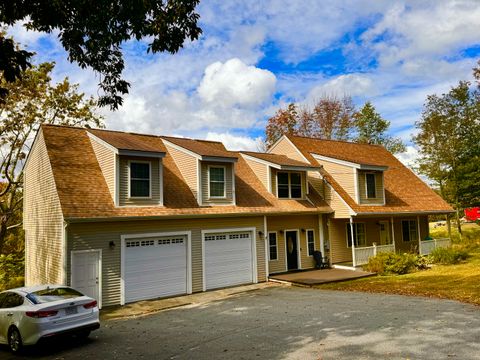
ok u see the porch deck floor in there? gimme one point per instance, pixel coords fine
(315, 277)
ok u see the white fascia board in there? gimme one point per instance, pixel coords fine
(218, 159)
(349, 163)
(141, 153)
(261, 161)
(182, 149)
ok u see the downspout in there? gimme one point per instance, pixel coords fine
(65, 255)
(265, 235)
(353, 241)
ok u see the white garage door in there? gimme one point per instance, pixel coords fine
(228, 259)
(155, 267)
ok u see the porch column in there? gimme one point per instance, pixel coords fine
(419, 236)
(393, 233)
(353, 242)
(267, 246)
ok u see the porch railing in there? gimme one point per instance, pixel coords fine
(427, 246)
(363, 253)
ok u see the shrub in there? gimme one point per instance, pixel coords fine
(448, 255)
(11, 271)
(392, 263)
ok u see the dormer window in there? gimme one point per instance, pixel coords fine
(140, 179)
(289, 185)
(371, 186)
(216, 182)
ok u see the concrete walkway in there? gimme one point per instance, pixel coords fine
(315, 277)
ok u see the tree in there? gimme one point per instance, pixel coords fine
(449, 144)
(330, 118)
(31, 101)
(371, 129)
(93, 31)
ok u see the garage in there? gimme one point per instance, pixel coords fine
(228, 259)
(155, 267)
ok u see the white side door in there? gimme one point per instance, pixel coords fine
(86, 273)
(384, 233)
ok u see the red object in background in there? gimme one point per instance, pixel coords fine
(472, 214)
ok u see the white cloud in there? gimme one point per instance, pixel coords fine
(409, 157)
(350, 85)
(235, 142)
(234, 83)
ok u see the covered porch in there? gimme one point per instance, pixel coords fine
(356, 239)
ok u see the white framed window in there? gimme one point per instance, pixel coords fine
(272, 246)
(289, 185)
(310, 242)
(216, 182)
(370, 185)
(140, 179)
(409, 230)
(359, 235)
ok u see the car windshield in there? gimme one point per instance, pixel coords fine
(55, 294)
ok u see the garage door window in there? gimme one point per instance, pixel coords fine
(140, 179)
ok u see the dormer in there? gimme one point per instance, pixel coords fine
(131, 165)
(363, 182)
(207, 168)
(283, 177)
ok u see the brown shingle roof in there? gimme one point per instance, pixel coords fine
(202, 147)
(404, 191)
(281, 160)
(130, 141)
(84, 194)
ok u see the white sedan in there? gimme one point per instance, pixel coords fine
(29, 314)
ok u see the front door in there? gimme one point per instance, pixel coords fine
(384, 233)
(292, 250)
(86, 273)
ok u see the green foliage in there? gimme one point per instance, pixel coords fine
(448, 255)
(32, 101)
(371, 129)
(449, 144)
(92, 32)
(392, 263)
(12, 268)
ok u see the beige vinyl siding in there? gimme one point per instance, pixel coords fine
(260, 170)
(344, 175)
(362, 187)
(278, 223)
(339, 251)
(228, 200)
(187, 165)
(87, 236)
(401, 245)
(42, 220)
(341, 210)
(285, 147)
(106, 160)
(316, 180)
(125, 199)
(274, 180)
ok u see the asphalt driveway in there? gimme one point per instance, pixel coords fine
(286, 323)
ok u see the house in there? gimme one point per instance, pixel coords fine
(126, 217)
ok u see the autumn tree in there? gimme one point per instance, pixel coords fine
(449, 144)
(371, 128)
(330, 118)
(31, 101)
(93, 32)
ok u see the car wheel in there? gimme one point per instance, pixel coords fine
(14, 340)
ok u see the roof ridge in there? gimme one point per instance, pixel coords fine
(332, 140)
(187, 138)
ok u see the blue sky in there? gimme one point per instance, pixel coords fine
(257, 56)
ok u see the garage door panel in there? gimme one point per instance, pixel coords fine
(155, 268)
(228, 259)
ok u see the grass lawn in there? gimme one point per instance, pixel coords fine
(457, 282)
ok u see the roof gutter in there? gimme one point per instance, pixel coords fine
(405, 212)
